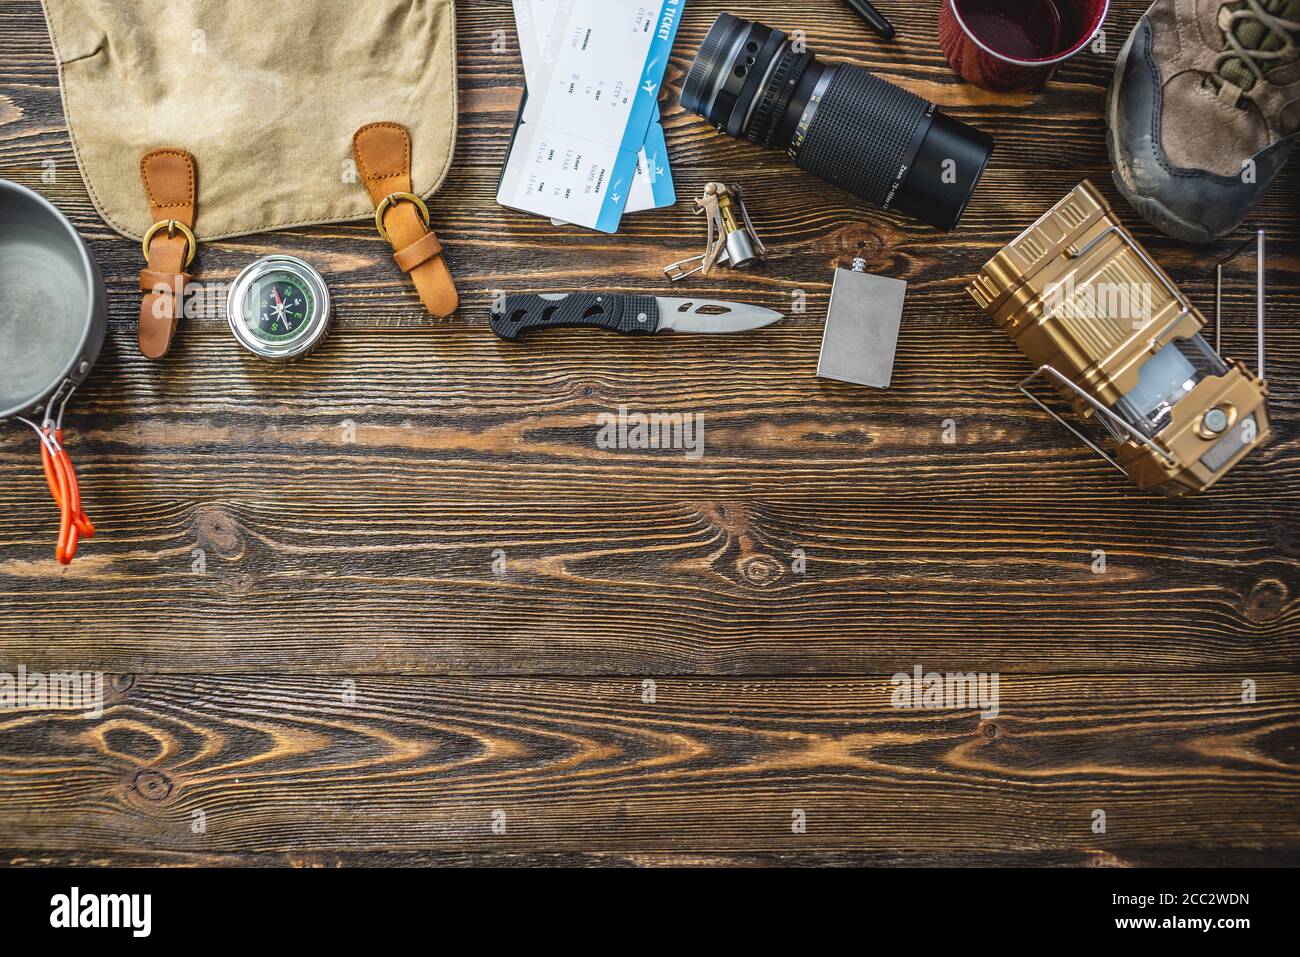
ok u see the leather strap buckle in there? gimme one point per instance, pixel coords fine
(392, 199)
(171, 225)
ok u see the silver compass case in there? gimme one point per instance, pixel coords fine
(302, 341)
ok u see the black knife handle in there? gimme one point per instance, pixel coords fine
(626, 314)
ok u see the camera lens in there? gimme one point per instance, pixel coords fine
(837, 121)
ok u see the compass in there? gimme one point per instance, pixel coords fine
(279, 308)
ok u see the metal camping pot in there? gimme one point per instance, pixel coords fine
(53, 315)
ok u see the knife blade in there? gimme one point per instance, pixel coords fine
(628, 314)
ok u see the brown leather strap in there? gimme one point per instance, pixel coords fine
(383, 155)
(418, 253)
(169, 181)
(150, 280)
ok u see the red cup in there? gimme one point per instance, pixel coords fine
(1016, 45)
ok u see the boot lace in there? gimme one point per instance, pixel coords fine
(1257, 61)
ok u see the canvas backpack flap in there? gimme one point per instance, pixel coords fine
(266, 97)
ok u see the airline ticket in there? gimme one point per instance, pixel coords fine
(586, 126)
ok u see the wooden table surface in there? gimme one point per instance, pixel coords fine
(393, 604)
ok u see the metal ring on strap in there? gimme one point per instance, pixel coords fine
(171, 225)
(392, 199)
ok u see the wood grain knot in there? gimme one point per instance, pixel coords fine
(152, 785)
(123, 683)
(730, 518)
(761, 569)
(1266, 600)
(242, 584)
(989, 729)
(135, 744)
(217, 530)
(857, 239)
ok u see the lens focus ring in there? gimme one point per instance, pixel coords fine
(861, 133)
(754, 70)
(776, 97)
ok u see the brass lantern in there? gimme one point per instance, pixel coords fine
(1107, 327)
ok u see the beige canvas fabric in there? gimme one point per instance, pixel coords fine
(266, 96)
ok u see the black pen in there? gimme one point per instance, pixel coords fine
(874, 18)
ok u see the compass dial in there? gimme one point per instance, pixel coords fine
(279, 305)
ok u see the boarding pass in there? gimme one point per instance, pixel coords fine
(652, 185)
(589, 110)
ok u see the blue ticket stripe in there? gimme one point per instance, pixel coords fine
(652, 77)
(620, 184)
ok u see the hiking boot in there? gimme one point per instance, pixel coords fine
(1204, 111)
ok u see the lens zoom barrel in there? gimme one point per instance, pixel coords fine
(892, 148)
(862, 134)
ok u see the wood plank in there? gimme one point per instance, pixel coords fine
(1149, 855)
(405, 585)
(283, 766)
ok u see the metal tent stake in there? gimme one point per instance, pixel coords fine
(1261, 296)
(1259, 299)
